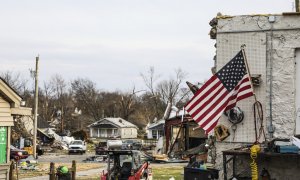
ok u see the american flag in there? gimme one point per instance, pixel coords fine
(220, 93)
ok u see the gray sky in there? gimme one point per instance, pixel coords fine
(112, 41)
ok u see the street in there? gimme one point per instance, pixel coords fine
(63, 158)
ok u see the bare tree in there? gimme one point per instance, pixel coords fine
(63, 104)
(127, 103)
(150, 82)
(169, 91)
(87, 98)
(47, 104)
(16, 81)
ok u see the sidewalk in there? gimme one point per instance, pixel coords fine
(79, 174)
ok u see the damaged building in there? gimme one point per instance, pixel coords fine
(182, 134)
(272, 48)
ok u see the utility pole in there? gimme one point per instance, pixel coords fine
(62, 120)
(35, 106)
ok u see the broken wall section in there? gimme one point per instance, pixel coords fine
(271, 41)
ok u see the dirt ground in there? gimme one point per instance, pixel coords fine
(43, 168)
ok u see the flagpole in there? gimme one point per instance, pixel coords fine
(248, 69)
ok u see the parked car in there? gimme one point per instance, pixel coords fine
(131, 144)
(16, 153)
(77, 146)
(101, 148)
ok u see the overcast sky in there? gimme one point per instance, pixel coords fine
(112, 41)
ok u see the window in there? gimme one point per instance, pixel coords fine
(154, 134)
(103, 132)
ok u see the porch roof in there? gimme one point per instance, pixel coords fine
(108, 126)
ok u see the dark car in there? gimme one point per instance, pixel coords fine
(131, 144)
(16, 153)
(101, 148)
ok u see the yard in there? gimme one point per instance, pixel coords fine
(166, 172)
(43, 169)
(93, 170)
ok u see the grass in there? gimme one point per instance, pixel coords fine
(167, 172)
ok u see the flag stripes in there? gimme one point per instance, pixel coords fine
(220, 93)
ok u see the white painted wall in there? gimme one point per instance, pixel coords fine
(263, 47)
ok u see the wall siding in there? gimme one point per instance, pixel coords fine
(5, 115)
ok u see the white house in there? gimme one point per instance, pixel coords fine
(113, 127)
(156, 130)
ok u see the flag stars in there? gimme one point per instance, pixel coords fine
(232, 72)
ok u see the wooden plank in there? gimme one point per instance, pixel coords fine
(21, 111)
(6, 121)
(4, 114)
(4, 104)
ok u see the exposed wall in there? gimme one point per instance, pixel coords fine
(268, 45)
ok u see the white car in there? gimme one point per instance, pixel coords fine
(77, 146)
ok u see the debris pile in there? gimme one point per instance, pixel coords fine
(56, 141)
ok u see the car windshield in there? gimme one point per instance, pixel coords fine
(129, 141)
(76, 142)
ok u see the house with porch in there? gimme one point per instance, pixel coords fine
(155, 130)
(113, 127)
(10, 107)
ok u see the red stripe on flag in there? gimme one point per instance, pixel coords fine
(211, 127)
(206, 103)
(213, 107)
(205, 95)
(211, 80)
(216, 112)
